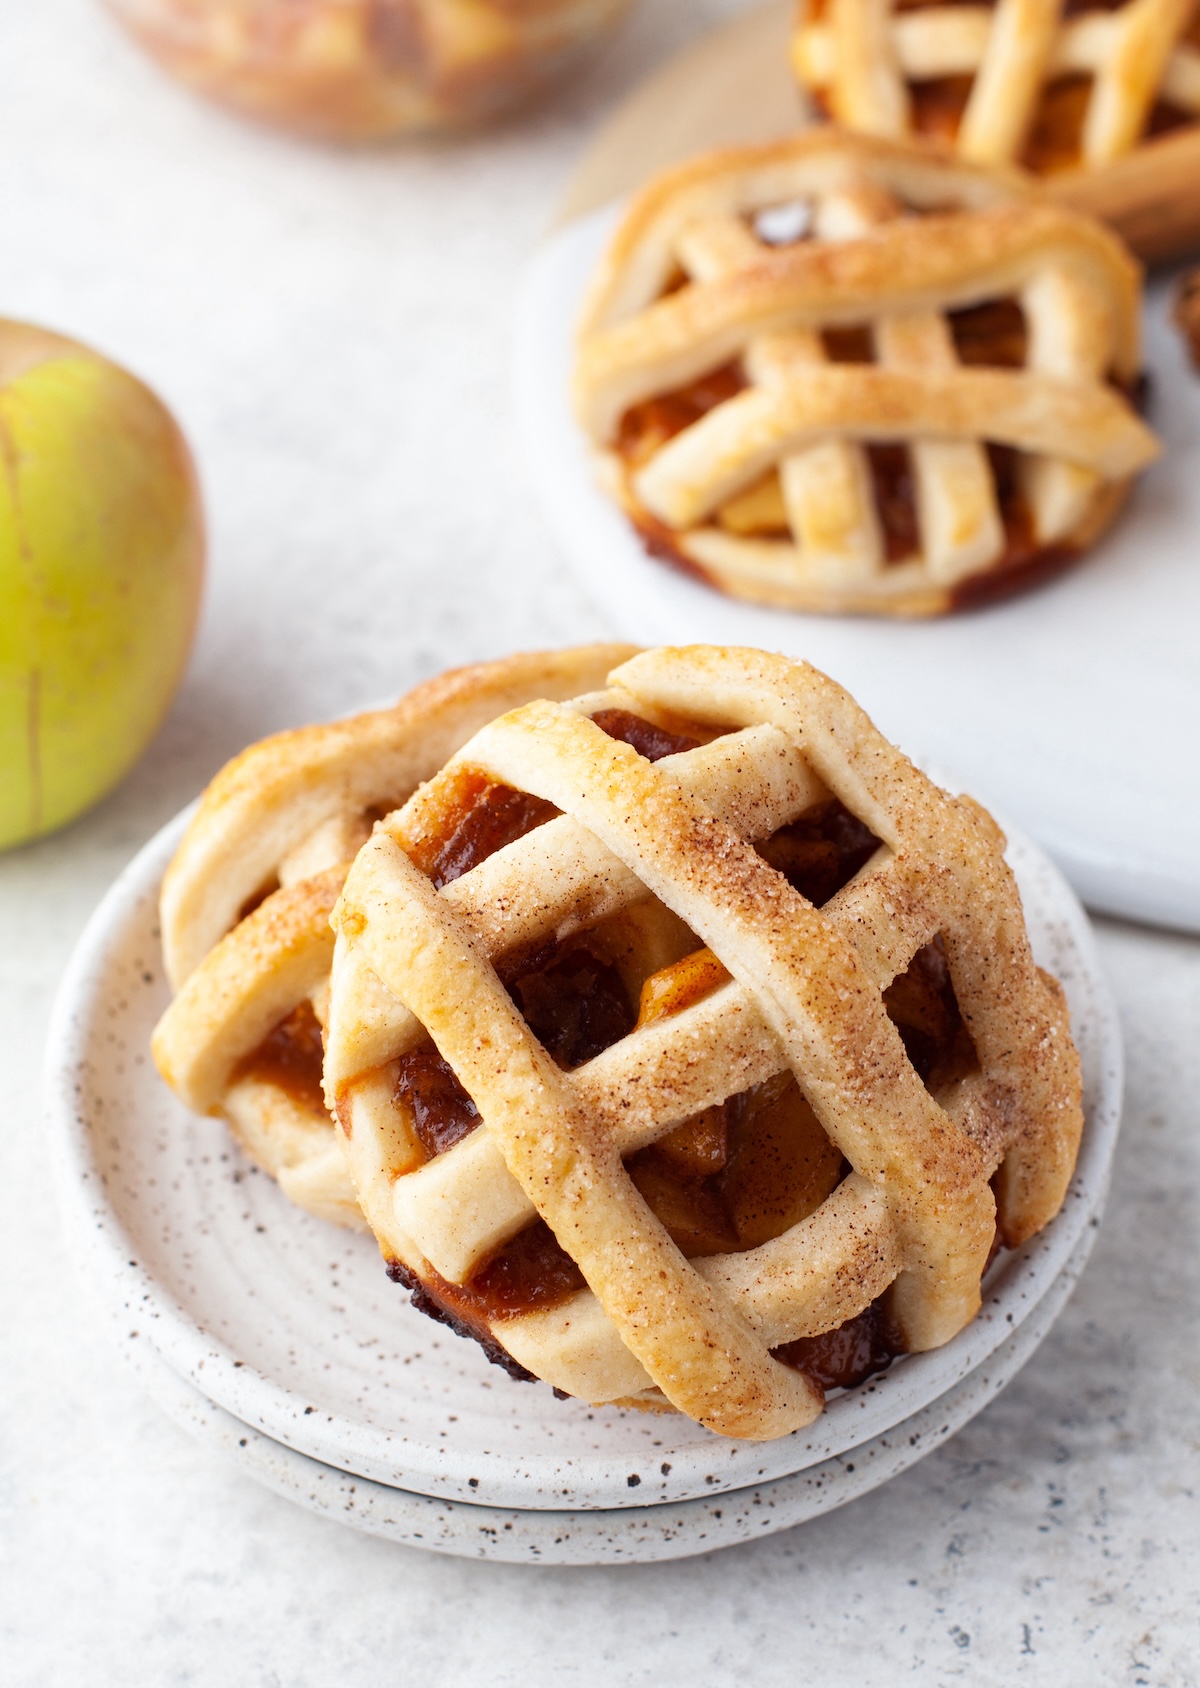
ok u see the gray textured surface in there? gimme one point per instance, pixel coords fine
(332, 333)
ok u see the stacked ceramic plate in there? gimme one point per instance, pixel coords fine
(281, 1339)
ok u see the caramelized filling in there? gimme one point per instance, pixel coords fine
(480, 817)
(441, 1111)
(573, 1000)
(1055, 137)
(855, 1351)
(291, 1058)
(741, 1173)
(895, 500)
(733, 1177)
(822, 851)
(855, 344)
(531, 1271)
(817, 854)
(991, 336)
(1025, 561)
(648, 426)
(937, 106)
(1166, 118)
(575, 1005)
(922, 1006)
(675, 988)
(648, 740)
(1057, 129)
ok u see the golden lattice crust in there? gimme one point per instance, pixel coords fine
(747, 441)
(1007, 82)
(274, 834)
(930, 1175)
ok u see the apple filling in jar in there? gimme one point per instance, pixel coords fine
(363, 69)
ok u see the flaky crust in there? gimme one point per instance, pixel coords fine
(917, 1210)
(804, 421)
(292, 811)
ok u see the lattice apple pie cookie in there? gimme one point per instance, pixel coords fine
(1049, 85)
(719, 1064)
(247, 899)
(836, 374)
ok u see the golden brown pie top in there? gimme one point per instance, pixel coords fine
(734, 1176)
(687, 1047)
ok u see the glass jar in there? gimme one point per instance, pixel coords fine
(363, 69)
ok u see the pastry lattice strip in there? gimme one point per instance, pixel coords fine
(292, 811)
(916, 1210)
(827, 488)
(865, 53)
(810, 419)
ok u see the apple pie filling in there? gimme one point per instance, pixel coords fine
(356, 69)
(290, 1058)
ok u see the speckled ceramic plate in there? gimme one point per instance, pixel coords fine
(608, 1537)
(1075, 708)
(293, 1327)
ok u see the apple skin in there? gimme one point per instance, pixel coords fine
(101, 567)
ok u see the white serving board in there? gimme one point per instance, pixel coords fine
(292, 1326)
(1075, 708)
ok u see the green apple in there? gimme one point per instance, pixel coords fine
(101, 563)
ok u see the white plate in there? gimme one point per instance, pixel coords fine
(293, 1327)
(619, 1536)
(1075, 709)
